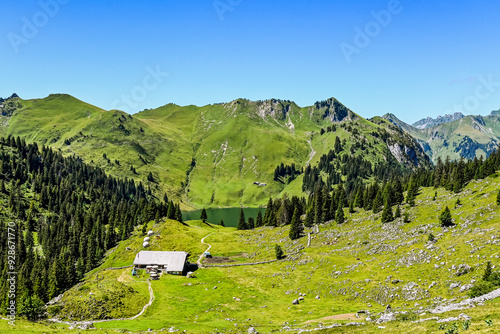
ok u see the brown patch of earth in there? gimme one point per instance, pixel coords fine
(217, 259)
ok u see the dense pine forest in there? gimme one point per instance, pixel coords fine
(59, 217)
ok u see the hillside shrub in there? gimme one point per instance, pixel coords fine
(279, 252)
(490, 282)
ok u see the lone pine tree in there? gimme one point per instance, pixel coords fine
(445, 218)
(203, 215)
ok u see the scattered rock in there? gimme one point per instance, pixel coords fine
(454, 285)
(386, 317)
(463, 269)
(464, 316)
(447, 320)
(466, 287)
(252, 330)
(318, 297)
(86, 325)
(354, 324)
(295, 302)
(301, 299)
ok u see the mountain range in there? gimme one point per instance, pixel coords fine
(212, 155)
(455, 136)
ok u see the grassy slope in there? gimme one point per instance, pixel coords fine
(234, 144)
(347, 275)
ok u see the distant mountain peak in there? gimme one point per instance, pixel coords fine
(429, 122)
(399, 123)
(495, 113)
(10, 97)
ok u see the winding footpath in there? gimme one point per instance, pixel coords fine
(312, 154)
(201, 256)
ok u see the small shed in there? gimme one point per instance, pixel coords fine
(207, 255)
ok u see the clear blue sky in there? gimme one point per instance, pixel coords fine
(425, 60)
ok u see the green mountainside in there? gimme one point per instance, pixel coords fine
(415, 266)
(211, 155)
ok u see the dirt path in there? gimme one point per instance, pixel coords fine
(151, 299)
(209, 247)
(313, 152)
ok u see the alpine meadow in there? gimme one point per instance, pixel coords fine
(249, 167)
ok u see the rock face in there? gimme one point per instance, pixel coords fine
(386, 317)
(429, 122)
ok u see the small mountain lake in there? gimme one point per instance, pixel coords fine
(230, 216)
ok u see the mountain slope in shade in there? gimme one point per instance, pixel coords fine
(429, 122)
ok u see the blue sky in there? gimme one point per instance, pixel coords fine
(418, 58)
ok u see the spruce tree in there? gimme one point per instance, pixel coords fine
(309, 219)
(178, 213)
(377, 202)
(498, 197)
(278, 251)
(203, 215)
(339, 215)
(487, 271)
(387, 213)
(296, 227)
(258, 221)
(171, 210)
(397, 214)
(445, 218)
(242, 225)
(250, 223)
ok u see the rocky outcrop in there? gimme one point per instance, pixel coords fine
(332, 110)
(429, 122)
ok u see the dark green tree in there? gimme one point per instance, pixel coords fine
(339, 215)
(387, 213)
(278, 251)
(242, 225)
(445, 218)
(498, 197)
(487, 271)
(178, 213)
(397, 214)
(309, 219)
(250, 223)
(296, 227)
(258, 221)
(377, 202)
(203, 215)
